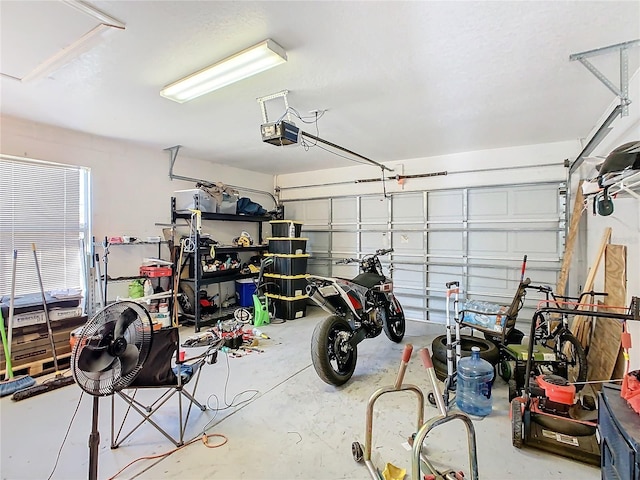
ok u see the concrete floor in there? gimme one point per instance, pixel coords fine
(294, 426)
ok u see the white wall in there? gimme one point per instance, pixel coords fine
(625, 220)
(130, 183)
(533, 163)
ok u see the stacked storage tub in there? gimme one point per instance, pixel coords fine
(286, 284)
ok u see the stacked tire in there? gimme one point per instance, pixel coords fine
(488, 351)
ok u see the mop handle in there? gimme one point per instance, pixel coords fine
(46, 311)
(406, 356)
(12, 304)
(425, 355)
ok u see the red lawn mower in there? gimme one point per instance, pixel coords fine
(549, 416)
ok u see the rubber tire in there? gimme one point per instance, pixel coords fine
(513, 389)
(395, 333)
(506, 369)
(516, 423)
(581, 358)
(189, 300)
(357, 451)
(320, 348)
(440, 368)
(488, 350)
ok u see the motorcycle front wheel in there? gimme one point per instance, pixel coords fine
(333, 357)
(394, 324)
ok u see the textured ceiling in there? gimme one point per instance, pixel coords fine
(399, 79)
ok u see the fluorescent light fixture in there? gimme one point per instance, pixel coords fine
(237, 67)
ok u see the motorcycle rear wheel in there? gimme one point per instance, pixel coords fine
(394, 324)
(334, 359)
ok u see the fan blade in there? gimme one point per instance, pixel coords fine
(129, 359)
(94, 359)
(126, 318)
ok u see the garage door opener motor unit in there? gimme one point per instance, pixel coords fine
(279, 133)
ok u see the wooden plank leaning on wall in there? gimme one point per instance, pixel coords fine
(604, 349)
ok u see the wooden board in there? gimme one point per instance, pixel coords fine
(580, 327)
(605, 341)
(574, 222)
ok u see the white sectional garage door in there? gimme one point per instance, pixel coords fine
(477, 236)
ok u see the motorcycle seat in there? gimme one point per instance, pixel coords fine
(369, 280)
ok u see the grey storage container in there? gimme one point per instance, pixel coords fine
(194, 199)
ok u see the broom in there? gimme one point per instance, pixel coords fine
(59, 379)
(11, 384)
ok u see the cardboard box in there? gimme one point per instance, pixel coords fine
(37, 317)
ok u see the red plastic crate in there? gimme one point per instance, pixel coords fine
(154, 272)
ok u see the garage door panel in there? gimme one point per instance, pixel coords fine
(408, 242)
(409, 279)
(485, 203)
(440, 242)
(344, 210)
(488, 243)
(534, 201)
(372, 241)
(345, 271)
(413, 313)
(374, 210)
(408, 208)
(489, 279)
(345, 242)
(318, 242)
(319, 267)
(312, 212)
(409, 301)
(535, 242)
(445, 206)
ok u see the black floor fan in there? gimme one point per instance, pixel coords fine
(107, 356)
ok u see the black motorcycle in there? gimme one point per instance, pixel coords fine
(359, 308)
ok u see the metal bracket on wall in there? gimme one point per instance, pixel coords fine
(263, 108)
(623, 91)
(173, 155)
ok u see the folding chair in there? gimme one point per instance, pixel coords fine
(158, 373)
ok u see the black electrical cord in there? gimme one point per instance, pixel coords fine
(65, 436)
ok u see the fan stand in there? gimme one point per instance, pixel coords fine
(94, 442)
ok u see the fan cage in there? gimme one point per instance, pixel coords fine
(138, 333)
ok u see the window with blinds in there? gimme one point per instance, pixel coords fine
(47, 205)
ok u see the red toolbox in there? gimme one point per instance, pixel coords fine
(154, 272)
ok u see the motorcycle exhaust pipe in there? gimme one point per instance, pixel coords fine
(319, 300)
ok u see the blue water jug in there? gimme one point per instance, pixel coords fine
(473, 391)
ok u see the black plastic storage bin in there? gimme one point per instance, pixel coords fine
(285, 228)
(289, 308)
(285, 264)
(288, 245)
(286, 285)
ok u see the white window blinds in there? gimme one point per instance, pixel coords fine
(43, 204)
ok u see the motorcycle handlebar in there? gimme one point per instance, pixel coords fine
(384, 251)
(346, 261)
